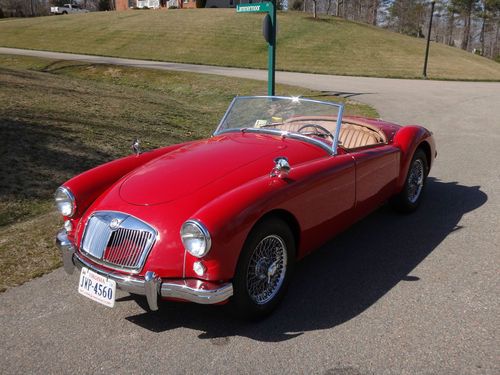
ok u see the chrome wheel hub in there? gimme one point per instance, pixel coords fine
(266, 269)
(415, 180)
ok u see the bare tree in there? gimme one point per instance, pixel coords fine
(374, 12)
(466, 9)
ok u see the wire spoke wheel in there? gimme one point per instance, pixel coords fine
(408, 199)
(415, 180)
(266, 269)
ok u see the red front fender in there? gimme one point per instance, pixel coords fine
(89, 185)
(408, 139)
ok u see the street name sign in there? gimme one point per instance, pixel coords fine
(253, 8)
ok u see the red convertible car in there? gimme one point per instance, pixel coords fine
(225, 218)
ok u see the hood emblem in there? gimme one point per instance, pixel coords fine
(115, 223)
(136, 147)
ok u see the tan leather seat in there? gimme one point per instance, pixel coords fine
(354, 136)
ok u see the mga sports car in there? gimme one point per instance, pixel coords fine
(224, 219)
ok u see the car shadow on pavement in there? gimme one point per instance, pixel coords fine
(343, 278)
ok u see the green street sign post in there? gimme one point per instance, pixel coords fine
(269, 31)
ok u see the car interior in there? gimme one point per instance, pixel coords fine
(353, 134)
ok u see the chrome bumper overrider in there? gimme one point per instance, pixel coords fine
(150, 285)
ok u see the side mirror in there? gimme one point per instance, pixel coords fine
(281, 167)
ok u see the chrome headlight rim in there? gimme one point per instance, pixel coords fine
(71, 198)
(203, 230)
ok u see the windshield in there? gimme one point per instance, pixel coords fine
(310, 120)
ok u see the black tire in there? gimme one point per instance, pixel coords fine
(410, 197)
(64, 12)
(256, 272)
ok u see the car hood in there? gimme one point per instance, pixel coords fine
(198, 164)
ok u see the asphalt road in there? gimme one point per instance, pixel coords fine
(415, 294)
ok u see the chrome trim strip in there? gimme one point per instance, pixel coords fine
(192, 290)
(335, 143)
(216, 132)
(184, 264)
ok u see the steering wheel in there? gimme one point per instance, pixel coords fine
(319, 131)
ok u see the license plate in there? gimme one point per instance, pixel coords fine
(97, 287)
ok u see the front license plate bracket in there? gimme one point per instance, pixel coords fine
(97, 287)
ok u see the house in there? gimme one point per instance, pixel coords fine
(228, 3)
(155, 4)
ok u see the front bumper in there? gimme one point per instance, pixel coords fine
(151, 286)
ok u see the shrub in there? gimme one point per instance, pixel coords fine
(104, 5)
(297, 5)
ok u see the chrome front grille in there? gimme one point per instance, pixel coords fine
(126, 246)
(118, 240)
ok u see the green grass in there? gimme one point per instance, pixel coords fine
(222, 37)
(60, 118)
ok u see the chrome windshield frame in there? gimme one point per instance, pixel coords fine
(332, 150)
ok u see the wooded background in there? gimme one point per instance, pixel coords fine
(473, 25)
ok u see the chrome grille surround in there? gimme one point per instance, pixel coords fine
(117, 240)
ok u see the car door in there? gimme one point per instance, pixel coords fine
(377, 170)
(323, 198)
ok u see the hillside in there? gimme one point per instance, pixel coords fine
(222, 37)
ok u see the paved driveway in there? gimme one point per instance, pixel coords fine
(394, 294)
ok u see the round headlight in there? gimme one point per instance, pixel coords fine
(65, 201)
(195, 238)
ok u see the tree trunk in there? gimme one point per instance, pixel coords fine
(314, 8)
(496, 49)
(328, 7)
(481, 35)
(466, 34)
(374, 12)
(451, 24)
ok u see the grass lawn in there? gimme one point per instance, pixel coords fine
(222, 37)
(59, 118)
